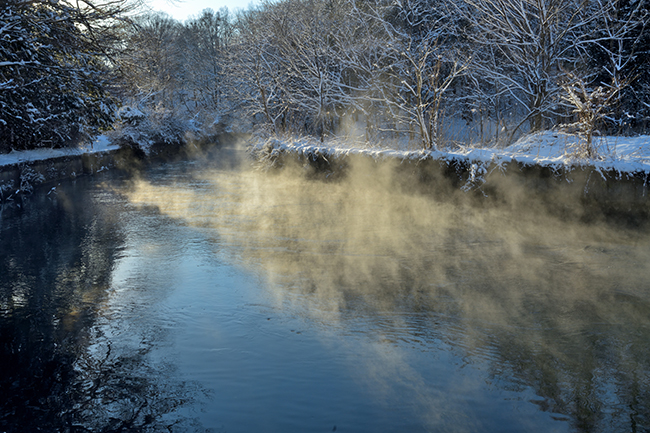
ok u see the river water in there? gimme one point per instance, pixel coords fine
(205, 295)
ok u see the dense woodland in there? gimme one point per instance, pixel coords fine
(427, 72)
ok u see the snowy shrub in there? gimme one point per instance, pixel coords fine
(167, 128)
(130, 116)
(28, 179)
(6, 190)
(267, 151)
(142, 128)
(591, 107)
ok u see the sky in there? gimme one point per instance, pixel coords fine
(183, 9)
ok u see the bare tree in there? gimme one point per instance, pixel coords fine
(425, 74)
(306, 33)
(291, 56)
(524, 46)
(152, 61)
(257, 71)
(206, 44)
(618, 55)
(418, 68)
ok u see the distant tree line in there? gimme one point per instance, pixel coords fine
(428, 71)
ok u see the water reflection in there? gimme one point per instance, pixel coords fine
(556, 307)
(58, 370)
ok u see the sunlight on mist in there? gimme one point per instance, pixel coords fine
(362, 234)
(361, 253)
(364, 239)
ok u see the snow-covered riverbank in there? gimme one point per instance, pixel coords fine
(619, 173)
(100, 144)
(556, 150)
(541, 173)
(548, 149)
(21, 172)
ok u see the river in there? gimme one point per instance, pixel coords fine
(205, 295)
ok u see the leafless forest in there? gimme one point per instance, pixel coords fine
(429, 72)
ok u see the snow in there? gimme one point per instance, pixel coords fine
(101, 144)
(128, 114)
(550, 149)
(621, 154)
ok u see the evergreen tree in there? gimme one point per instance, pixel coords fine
(53, 73)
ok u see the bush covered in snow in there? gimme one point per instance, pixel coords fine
(143, 128)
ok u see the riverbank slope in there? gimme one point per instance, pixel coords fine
(545, 168)
(22, 171)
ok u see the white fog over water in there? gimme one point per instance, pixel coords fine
(206, 295)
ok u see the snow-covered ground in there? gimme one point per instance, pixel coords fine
(100, 144)
(554, 149)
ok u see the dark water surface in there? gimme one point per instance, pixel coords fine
(205, 296)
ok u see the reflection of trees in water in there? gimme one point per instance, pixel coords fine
(555, 321)
(114, 393)
(56, 258)
(580, 341)
(560, 307)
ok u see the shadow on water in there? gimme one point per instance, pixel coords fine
(560, 307)
(58, 373)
